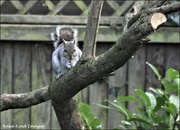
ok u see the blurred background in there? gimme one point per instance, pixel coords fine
(25, 55)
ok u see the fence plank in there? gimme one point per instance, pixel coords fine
(41, 77)
(172, 57)
(27, 7)
(58, 7)
(56, 19)
(83, 96)
(22, 80)
(119, 81)
(99, 91)
(162, 56)
(136, 76)
(6, 53)
(155, 56)
(106, 33)
(17, 4)
(97, 94)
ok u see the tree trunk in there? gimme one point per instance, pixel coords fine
(68, 115)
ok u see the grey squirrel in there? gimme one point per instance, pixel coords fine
(66, 53)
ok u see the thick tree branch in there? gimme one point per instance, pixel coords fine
(62, 90)
(142, 8)
(68, 115)
(66, 112)
(42, 94)
(81, 76)
(24, 100)
(166, 9)
(92, 28)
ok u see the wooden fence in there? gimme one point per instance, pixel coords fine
(25, 55)
(26, 66)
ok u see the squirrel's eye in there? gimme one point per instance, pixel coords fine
(74, 50)
(64, 50)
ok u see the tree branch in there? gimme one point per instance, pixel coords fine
(80, 76)
(61, 91)
(92, 28)
(24, 100)
(67, 114)
(8, 100)
(166, 8)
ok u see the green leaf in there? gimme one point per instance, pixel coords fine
(144, 97)
(128, 98)
(139, 120)
(126, 122)
(158, 118)
(176, 82)
(90, 118)
(152, 99)
(167, 109)
(109, 108)
(121, 107)
(122, 127)
(173, 108)
(142, 114)
(157, 91)
(168, 85)
(95, 123)
(172, 74)
(175, 100)
(84, 108)
(155, 70)
(160, 102)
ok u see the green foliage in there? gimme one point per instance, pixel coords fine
(160, 107)
(90, 120)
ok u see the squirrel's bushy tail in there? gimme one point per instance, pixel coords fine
(64, 32)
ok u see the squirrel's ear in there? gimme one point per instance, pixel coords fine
(73, 41)
(53, 36)
(64, 41)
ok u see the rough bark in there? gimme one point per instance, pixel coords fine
(66, 112)
(68, 115)
(24, 100)
(125, 47)
(12, 105)
(92, 28)
(62, 90)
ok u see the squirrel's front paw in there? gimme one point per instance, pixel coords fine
(59, 75)
(69, 66)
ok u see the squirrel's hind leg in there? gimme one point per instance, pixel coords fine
(59, 75)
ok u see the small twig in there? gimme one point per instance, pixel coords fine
(92, 28)
(175, 118)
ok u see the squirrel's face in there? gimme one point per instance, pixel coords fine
(69, 50)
